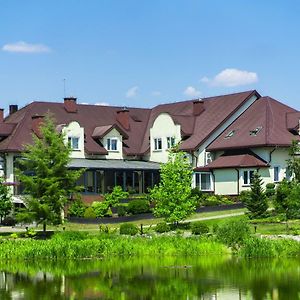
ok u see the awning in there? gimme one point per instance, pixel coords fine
(234, 161)
(113, 164)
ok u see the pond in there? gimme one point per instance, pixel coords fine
(152, 278)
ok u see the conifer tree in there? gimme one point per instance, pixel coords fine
(256, 200)
(49, 183)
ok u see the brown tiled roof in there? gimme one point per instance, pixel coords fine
(88, 116)
(292, 120)
(267, 117)
(6, 129)
(100, 131)
(234, 161)
(216, 111)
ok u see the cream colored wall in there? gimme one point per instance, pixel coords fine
(118, 154)
(9, 164)
(226, 182)
(73, 129)
(163, 127)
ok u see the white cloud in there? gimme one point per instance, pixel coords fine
(23, 47)
(231, 78)
(191, 92)
(156, 93)
(132, 92)
(102, 103)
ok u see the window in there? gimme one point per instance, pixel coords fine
(208, 158)
(204, 181)
(157, 144)
(73, 142)
(230, 134)
(247, 177)
(170, 142)
(256, 131)
(112, 144)
(276, 173)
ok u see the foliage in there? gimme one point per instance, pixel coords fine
(50, 183)
(287, 199)
(199, 228)
(89, 213)
(76, 209)
(294, 161)
(115, 196)
(172, 196)
(138, 207)
(256, 200)
(162, 227)
(128, 229)
(270, 190)
(121, 210)
(5, 200)
(101, 209)
(233, 233)
(215, 200)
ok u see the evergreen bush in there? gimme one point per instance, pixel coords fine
(89, 213)
(138, 207)
(199, 228)
(76, 209)
(162, 227)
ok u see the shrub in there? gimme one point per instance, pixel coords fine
(138, 207)
(9, 221)
(199, 228)
(69, 236)
(121, 210)
(162, 227)
(76, 209)
(128, 229)
(101, 209)
(270, 190)
(115, 196)
(233, 233)
(89, 213)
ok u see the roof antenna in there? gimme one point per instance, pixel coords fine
(64, 80)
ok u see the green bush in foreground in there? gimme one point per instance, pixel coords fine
(89, 213)
(138, 207)
(199, 228)
(128, 229)
(233, 233)
(162, 227)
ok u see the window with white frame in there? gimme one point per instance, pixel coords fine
(203, 181)
(112, 144)
(157, 144)
(208, 158)
(170, 142)
(73, 142)
(276, 173)
(247, 177)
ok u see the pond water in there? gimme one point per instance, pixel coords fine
(210, 278)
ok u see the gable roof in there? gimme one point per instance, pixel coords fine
(216, 110)
(262, 124)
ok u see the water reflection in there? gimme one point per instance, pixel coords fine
(149, 278)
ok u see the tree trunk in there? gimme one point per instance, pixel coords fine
(44, 227)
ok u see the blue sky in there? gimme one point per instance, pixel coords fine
(142, 53)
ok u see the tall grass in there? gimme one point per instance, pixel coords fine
(263, 247)
(71, 247)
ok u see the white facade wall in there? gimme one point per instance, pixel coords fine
(114, 154)
(226, 181)
(163, 127)
(73, 129)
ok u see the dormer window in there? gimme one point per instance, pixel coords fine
(73, 142)
(256, 131)
(230, 134)
(112, 144)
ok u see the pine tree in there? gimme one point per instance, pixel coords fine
(49, 183)
(256, 201)
(173, 199)
(294, 161)
(5, 200)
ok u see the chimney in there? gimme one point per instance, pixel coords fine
(36, 123)
(123, 118)
(13, 108)
(70, 104)
(198, 107)
(1, 115)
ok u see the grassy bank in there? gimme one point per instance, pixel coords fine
(72, 245)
